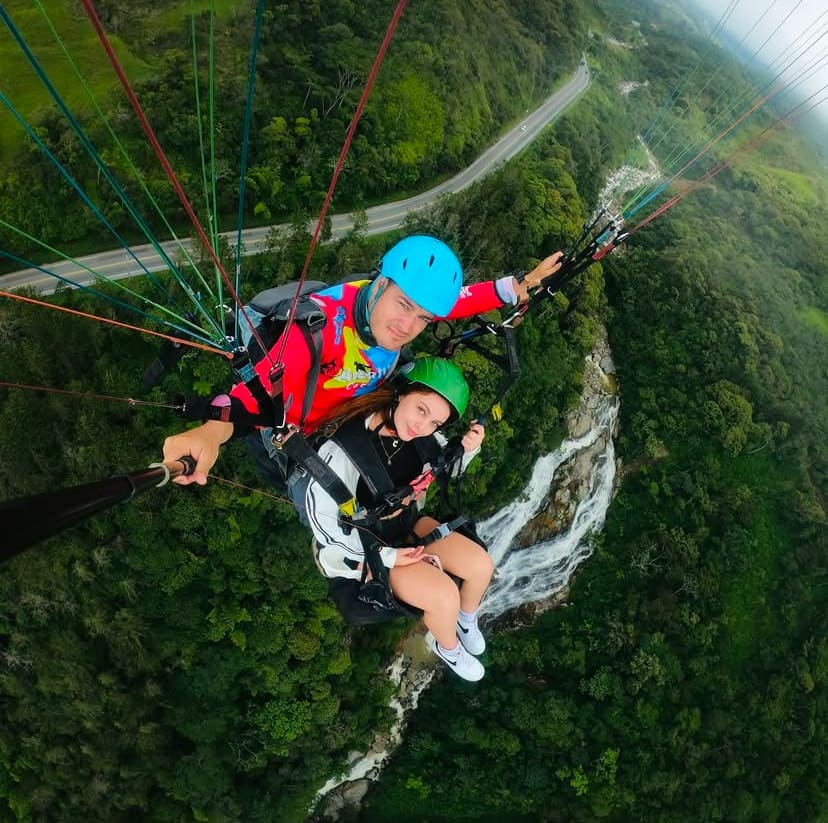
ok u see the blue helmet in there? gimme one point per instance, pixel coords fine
(427, 270)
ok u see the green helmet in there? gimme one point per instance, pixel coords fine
(443, 377)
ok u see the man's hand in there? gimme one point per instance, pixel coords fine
(546, 268)
(202, 444)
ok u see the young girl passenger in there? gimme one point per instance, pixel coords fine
(396, 428)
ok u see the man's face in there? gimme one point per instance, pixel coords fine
(396, 320)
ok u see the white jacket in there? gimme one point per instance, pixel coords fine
(339, 554)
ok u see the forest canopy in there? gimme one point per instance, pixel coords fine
(179, 660)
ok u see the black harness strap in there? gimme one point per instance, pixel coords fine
(298, 450)
(373, 470)
(375, 596)
(370, 464)
(444, 530)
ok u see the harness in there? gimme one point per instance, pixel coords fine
(268, 312)
(362, 450)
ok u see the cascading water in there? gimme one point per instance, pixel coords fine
(627, 178)
(525, 575)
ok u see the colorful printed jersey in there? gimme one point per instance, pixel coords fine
(349, 366)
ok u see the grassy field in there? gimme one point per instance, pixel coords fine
(20, 84)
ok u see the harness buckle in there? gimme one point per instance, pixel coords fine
(315, 321)
(281, 435)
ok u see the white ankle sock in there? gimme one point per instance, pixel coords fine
(467, 617)
(452, 653)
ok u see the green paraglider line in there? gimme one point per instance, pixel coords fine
(137, 175)
(213, 213)
(681, 152)
(248, 117)
(220, 300)
(115, 283)
(165, 163)
(184, 342)
(668, 105)
(90, 148)
(757, 104)
(74, 184)
(114, 300)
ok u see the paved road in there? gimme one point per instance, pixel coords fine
(118, 263)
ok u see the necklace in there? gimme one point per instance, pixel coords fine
(396, 445)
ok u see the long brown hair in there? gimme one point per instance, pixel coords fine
(380, 400)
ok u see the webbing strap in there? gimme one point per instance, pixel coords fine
(444, 530)
(298, 450)
(373, 560)
(363, 451)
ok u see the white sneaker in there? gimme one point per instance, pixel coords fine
(470, 636)
(461, 663)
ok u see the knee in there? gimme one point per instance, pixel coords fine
(445, 596)
(477, 563)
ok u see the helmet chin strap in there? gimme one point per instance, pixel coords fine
(376, 291)
(365, 306)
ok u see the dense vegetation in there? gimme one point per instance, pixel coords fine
(456, 74)
(178, 660)
(688, 679)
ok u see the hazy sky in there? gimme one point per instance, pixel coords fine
(807, 23)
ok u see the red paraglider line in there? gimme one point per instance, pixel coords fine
(749, 146)
(118, 323)
(142, 118)
(341, 162)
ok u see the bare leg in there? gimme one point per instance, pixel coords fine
(434, 592)
(464, 559)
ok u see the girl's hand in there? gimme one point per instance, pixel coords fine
(434, 560)
(473, 437)
(408, 557)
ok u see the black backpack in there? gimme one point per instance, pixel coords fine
(268, 311)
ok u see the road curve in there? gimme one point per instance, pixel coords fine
(117, 263)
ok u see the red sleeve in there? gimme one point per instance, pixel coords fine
(297, 365)
(477, 298)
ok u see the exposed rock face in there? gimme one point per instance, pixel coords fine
(411, 671)
(572, 478)
(627, 86)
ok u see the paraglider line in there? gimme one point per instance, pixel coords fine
(118, 323)
(93, 153)
(248, 117)
(339, 164)
(162, 157)
(136, 174)
(115, 398)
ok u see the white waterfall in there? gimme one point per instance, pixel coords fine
(525, 575)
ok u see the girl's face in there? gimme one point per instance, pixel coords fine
(420, 414)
